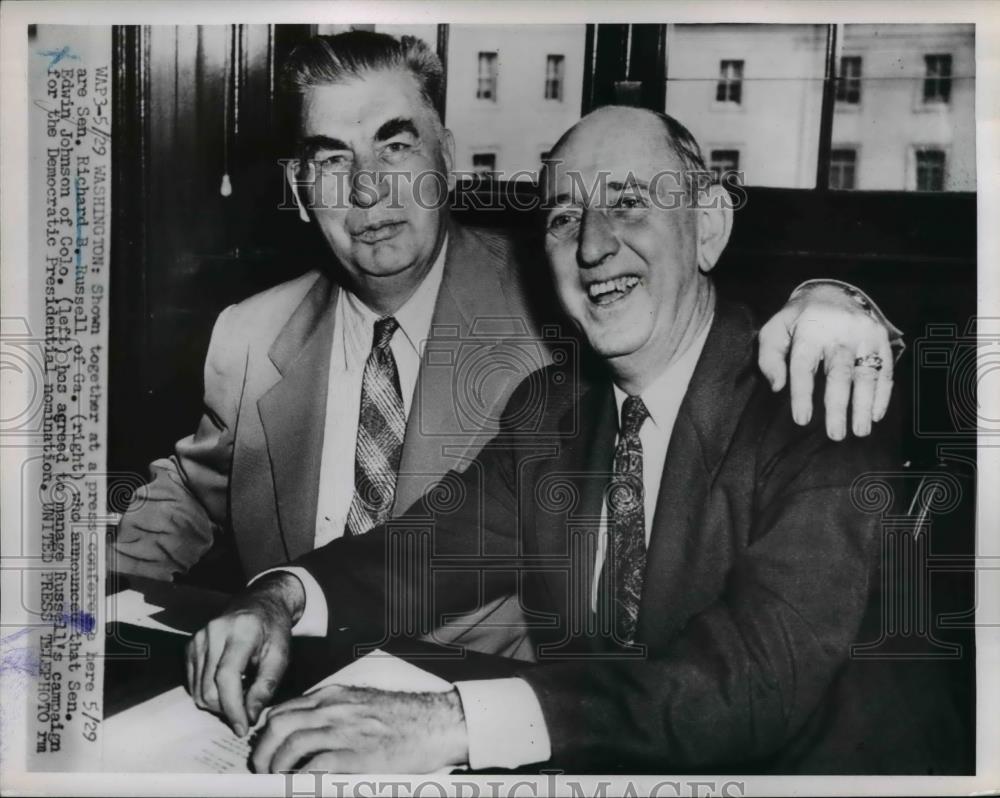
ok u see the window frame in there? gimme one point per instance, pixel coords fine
(922, 149)
(492, 69)
(481, 153)
(939, 98)
(726, 83)
(558, 80)
(846, 83)
(854, 149)
(726, 148)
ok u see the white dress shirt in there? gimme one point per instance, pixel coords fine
(353, 331)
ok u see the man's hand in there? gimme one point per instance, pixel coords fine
(362, 730)
(827, 322)
(250, 640)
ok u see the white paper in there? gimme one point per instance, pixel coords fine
(170, 734)
(130, 606)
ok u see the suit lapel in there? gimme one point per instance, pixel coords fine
(582, 471)
(436, 437)
(293, 414)
(707, 419)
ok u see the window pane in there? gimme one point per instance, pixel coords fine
(521, 120)
(849, 80)
(842, 163)
(930, 170)
(721, 162)
(753, 89)
(913, 128)
(486, 89)
(484, 163)
(553, 77)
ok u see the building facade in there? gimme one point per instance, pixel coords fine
(904, 115)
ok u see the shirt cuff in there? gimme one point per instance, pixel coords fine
(315, 613)
(504, 722)
(866, 303)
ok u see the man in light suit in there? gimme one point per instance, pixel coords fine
(700, 553)
(282, 458)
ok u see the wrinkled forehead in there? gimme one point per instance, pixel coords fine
(612, 156)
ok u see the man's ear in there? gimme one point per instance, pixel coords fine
(715, 223)
(292, 176)
(448, 156)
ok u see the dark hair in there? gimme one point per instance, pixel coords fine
(683, 143)
(323, 60)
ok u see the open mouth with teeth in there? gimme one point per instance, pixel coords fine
(608, 292)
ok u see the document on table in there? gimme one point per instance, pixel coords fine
(130, 606)
(169, 734)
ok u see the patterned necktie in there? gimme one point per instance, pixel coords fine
(625, 558)
(380, 435)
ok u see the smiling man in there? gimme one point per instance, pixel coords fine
(727, 571)
(322, 415)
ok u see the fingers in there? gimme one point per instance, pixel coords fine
(279, 728)
(883, 384)
(215, 643)
(306, 701)
(271, 665)
(217, 658)
(189, 666)
(866, 374)
(194, 661)
(229, 684)
(804, 361)
(839, 378)
(299, 745)
(774, 341)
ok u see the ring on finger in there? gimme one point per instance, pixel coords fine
(869, 361)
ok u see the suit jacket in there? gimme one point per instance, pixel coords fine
(758, 576)
(252, 467)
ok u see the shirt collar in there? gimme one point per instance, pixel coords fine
(414, 316)
(664, 395)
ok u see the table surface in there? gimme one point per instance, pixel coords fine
(141, 663)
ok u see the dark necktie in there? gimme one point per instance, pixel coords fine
(625, 557)
(380, 435)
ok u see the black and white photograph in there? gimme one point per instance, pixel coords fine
(581, 401)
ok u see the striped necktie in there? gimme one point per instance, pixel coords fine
(625, 560)
(381, 425)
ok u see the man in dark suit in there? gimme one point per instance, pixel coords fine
(697, 555)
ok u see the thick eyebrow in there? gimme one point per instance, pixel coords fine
(312, 144)
(394, 127)
(619, 186)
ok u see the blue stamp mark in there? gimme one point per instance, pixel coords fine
(55, 56)
(18, 659)
(82, 622)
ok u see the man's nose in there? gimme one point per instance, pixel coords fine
(368, 185)
(598, 241)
